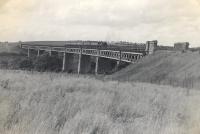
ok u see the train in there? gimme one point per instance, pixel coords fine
(123, 46)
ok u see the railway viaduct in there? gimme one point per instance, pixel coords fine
(79, 56)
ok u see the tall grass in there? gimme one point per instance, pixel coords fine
(49, 103)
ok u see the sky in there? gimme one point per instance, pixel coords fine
(167, 21)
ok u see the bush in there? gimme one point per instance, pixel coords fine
(4, 64)
(26, 64)
(47, 63)
(41, 63)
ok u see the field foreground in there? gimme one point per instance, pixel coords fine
(48, 103)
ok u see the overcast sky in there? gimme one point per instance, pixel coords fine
(167, 21)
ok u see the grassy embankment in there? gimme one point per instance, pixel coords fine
(164, 67)
(49, 103)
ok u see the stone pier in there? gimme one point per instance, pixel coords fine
(151, 46)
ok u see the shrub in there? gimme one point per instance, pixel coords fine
(26, 64)
(47, 63)
(41, 63)
(4, 64)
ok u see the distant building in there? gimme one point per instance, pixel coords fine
(181, 46)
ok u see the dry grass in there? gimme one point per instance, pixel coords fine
(48, 103)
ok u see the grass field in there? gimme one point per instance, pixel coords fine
(49, 103)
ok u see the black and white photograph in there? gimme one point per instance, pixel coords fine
(99, 66)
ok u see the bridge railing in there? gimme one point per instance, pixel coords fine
(110, 54)
(73, 50)
(93, 52)
(130, 57)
